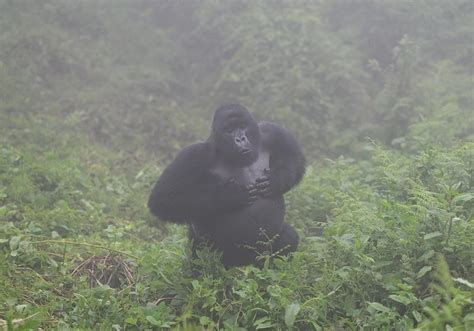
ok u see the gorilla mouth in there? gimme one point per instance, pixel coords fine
(245, 151)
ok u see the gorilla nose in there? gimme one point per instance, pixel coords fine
(240, 140)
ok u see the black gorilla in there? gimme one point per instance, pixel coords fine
(230, 188)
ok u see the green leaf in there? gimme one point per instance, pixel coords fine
(204, 320)
(14, 242)
(131, 320)
(152, 320)
(379, 307)
(417, 316)
(400, 299)
(423, 271)
(290, 314)
(428, 255)
(169, 282)
(432, 235)
(465, 197)
(464, 282)
(263, 323)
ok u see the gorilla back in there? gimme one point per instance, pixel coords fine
(230, 188)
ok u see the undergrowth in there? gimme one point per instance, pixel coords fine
(387, 243)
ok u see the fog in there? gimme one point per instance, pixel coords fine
(153, 72)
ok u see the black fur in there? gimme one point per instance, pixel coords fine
(230, 188)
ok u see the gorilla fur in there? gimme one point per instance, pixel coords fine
(229, 189)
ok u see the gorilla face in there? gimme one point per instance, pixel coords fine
(235, 135)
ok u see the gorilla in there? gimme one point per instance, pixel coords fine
(229, 189)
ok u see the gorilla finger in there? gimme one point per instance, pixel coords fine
(262, 185)
(253, 191)
(263, 188)
(252, 197)
(264, 191)
(262, 179)
(251, 200)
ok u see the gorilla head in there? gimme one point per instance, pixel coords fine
(235, 135)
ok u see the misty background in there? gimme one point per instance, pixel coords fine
(149, 74)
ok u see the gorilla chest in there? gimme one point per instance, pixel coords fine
(244, 175)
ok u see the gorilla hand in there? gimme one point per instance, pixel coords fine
(263, 184)
(234, 195)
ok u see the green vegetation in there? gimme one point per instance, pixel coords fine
(97, 97)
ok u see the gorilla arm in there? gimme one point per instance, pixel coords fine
(188, 191)
(185, 190)
(287, 162)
